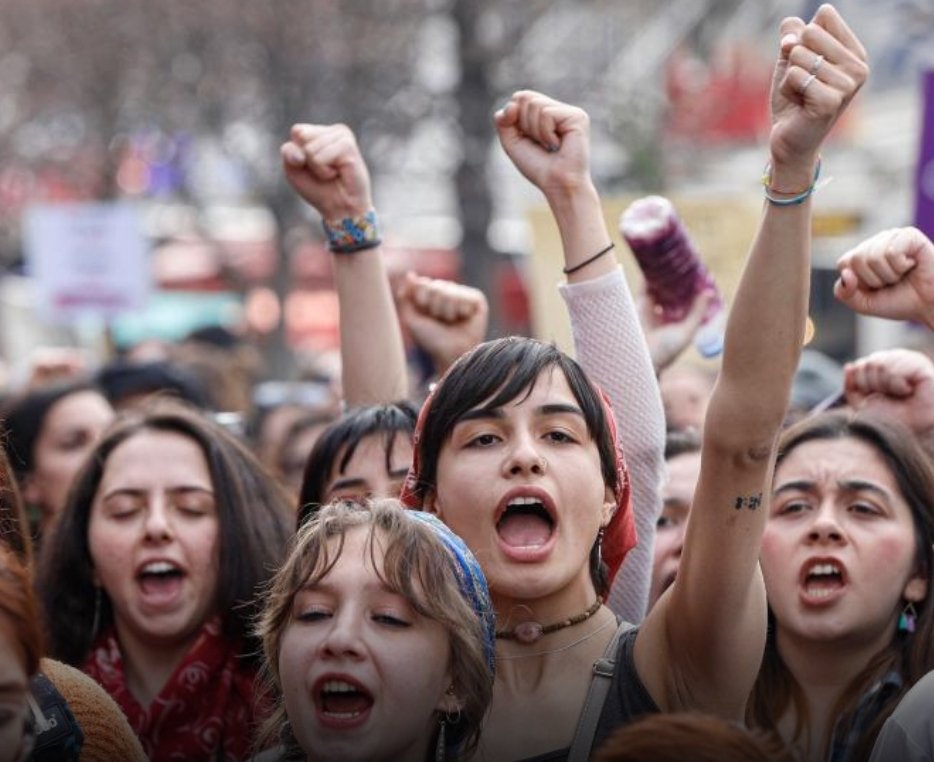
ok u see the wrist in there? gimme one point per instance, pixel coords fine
(352, 233)
(791, 177)
(569, 196)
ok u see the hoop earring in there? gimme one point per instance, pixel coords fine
(96, 623)
(908, 620)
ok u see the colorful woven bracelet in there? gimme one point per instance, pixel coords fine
(352, 234)
(800, 198)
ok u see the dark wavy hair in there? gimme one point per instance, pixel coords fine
(910, 654)
(254, 516)
(495, 373)
(339, 441)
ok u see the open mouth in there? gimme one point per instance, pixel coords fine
(525, 523)
(823, 580)
(343, 701)
(160, 578)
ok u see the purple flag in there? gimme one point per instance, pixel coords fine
(924, 205)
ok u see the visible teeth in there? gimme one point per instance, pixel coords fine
(339, 686)
(158, 567)
(819, 593)
(525, 501)
(343, 715)
(823, 569)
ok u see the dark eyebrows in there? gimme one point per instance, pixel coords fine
(859, 485)
(350, 481)
(800, 485)
(495, 413)
(560, 409)
(481, 413)
(847, 485)
(139, 493)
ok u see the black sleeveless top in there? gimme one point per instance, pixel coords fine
(626, 701)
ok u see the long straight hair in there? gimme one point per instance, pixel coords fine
(910, 654)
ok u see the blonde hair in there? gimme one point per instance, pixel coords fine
(417, 565)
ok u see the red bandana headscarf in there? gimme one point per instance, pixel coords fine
(620, 534)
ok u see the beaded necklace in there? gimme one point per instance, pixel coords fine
(531, 631)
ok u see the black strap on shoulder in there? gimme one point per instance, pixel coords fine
(603, 668)
(58, 736)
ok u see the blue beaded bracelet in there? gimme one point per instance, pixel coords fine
(350, 234)
(793, 200)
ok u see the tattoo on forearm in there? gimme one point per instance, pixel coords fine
(752, 502)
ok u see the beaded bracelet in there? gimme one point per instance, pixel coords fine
(350, 234)
(796, 199)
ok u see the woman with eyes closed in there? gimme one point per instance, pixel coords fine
(378, 635)
(847, 560)
(515, 451)
(150, 576)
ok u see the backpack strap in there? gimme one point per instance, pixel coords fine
(603, 669)
(58, 736)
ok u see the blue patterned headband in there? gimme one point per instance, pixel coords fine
(470, 579)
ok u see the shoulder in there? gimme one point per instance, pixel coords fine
(909, 732)
(107, 734)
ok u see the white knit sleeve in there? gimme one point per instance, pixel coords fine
(610, 346)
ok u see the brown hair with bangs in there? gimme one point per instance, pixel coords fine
(417, 565)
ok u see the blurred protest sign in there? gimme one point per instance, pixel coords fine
(87, 259)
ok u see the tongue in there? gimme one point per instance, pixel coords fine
(345, 703)
(524, 530)
(160, 586)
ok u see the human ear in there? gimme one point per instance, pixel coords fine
(450, 703)
(31, 493)
(916, 590)
(430, 503)
(609, 506)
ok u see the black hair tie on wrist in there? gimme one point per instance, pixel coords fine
(594, 258)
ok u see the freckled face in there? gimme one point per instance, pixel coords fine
(839, 554)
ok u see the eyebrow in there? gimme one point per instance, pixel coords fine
(847, 485)
(134, 492)
(350, 481)
(496, 413)
(323, 586)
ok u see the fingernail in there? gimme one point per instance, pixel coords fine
(294, 155)
(789, 39)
